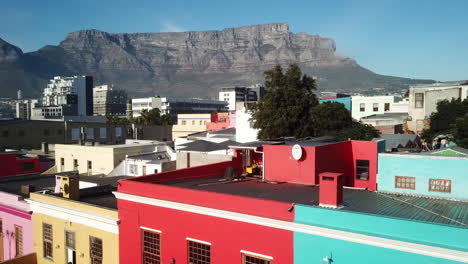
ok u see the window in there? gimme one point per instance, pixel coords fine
(184, 122)
(75, 134)
(405, 182)
(62, 162)
(95, 250)
(198, 253)
(419, 100)
(70, 239)
(89, 133)
(362, 170)
(133, 169)
(375, 107)
(201, 122)
(362, 107)
(47, 241)
(437, 185)
(255, 259)
(102, 132)
(90, 165)
(18, 241)
(193, 122)
(151, 243)
(27, 166)
(75, 164)
(118, 131)
(387, 107)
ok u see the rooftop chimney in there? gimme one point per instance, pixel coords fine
(331, 190)
(68, 186)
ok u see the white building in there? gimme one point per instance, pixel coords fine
(423, 100)
(245, 132)
(109, 102)
(174, 106)
(362, 106)
(24, 108)
(235, 95)
(66, 96)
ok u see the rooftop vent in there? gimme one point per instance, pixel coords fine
(331, 190)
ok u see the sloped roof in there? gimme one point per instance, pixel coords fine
(450, 151)
(397, 140)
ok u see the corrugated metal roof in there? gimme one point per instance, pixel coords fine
(425, 209)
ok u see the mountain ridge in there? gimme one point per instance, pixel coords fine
(193, 63)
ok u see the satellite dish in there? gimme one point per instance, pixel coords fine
(296, 152)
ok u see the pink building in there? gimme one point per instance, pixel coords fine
(16, 227)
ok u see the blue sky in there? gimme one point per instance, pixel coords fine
(412, 38)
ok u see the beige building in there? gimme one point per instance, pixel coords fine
(190, 123)
(95, 160)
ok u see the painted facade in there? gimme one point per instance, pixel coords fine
(362, 106)
(86, 222)
(189, 124)
(342, 157)
(94, 160)
(245, 132)
(16, 225)
(346, 101)
(221, 121)
(422, 168)
(276, 231)
(11, 165)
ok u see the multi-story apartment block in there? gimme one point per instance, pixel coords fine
(242, 95)
(64, 96)
(109, 102)
(175, 106)
(362, 106)
(24, 108)
(423, 100)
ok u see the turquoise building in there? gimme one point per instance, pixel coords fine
(346, 101)
(440, 174)
(382, 228)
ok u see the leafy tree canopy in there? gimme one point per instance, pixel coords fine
(290, 108)
(444, 120)
(151, 117)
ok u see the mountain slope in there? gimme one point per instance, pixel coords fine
(193, 63)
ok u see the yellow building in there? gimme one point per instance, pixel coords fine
(190, 123)
(76, 225)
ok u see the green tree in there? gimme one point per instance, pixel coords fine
(330, 117)
(115, 120)
(460, 131)
(356, 131)
(152, 117)
(285, 110)
(442, 121)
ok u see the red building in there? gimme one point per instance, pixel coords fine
(12, 164)
(190, 216)
(220, 121)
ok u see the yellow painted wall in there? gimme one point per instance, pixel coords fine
(190, 123)
(110, 241)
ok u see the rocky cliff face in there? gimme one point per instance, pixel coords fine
(196, 63)
(8, 52)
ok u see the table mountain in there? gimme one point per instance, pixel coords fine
(187, 63)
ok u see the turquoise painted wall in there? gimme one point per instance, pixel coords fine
(423, 167)
(344, 100)
(309, 249)
(387, 227)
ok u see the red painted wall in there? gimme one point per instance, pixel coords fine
(219, 121)
(279, 165)
(227, 237)
(339, 157)
(365, 150)
(10, 166)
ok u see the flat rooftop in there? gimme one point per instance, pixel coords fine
(431, 210)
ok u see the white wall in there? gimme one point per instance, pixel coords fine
(149, 103)
(244, 130)
(368, 102)
(229, 97)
